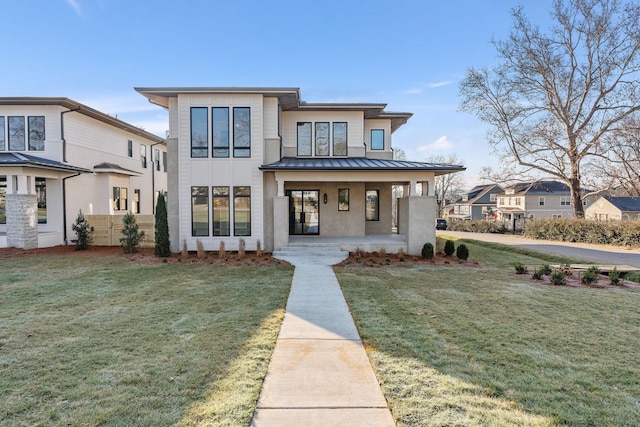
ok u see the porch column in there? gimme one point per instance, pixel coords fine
(280, 188)
(420, 217)
(280, 221)
(22, 212)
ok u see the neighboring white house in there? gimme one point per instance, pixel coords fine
(260, 164)
(58, 156)
(614, 208)
(533, 200)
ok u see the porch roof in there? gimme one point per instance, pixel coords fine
(357, 164)
(22, 159)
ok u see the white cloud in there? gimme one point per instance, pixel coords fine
(76, 6)
(414, 91)
(441, 144)
(439, 84)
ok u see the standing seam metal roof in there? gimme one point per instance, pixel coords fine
(356, 163)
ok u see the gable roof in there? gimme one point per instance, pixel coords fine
(113, 168)
(479, 191)
(625, 204)
(288, 97)
(76, 106)
(21, 159)
(356, 163)
(539, 188)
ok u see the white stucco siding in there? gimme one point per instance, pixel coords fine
(354, 119)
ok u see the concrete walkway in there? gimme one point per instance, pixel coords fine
(319, 374)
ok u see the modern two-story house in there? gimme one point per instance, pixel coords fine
(533, 200)
(261, 165)
(58, 156)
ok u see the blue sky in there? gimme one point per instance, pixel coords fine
(408, 54)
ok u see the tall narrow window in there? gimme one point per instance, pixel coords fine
(124, 199)
(221, 217)
(242, 211)
(372, 208)
(340, 139)
(220, 131)
(343, 199)
(199, 132)
(156, 158)
(199, 211)
(241, 132)
(116, 198)
(541, 201)
(36, 133)
(136, 201)
(322, 139)
(2, 143)
(120, 202)
(143, 155)
(130, 148)
(3, 200)
(41, 197)
(304, 138)
(16, 133)
(164, 161)
(377, 139)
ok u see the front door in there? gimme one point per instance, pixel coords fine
(304, 211)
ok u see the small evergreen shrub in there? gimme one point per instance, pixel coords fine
(427, 251)
(545, 270)
(537, 274)
(614, 277)
(588, 277)
(594, 269)
(449, 247)
(132, 236)
(440, 242)
(222, 253)
(241, 248)
(558, 277)
(462, 252)
(401, 255)
(162, 244)
(520, 269)
(84, 232)
(200, 249)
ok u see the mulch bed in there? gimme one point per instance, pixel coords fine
(377, 260)
(573, 281)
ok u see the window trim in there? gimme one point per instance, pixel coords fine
(371, 140)
(346, 139)
(117, 201)
(377, 205)
(30, 129)
(328, 149)
(43, 186)
(143, 156)
(298, 152)
(3, 129)
(205, 149)
(541, 201)
(214, 147)
(135, 203)
(193, 230)
(343, 207)
(23, 136)
(241, 149)
(235, 210)
(130, 148)
(213, 209)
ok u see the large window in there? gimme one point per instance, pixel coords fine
(565, 201)
(16, 133)
(241, 132)
(36, 133)
(242, 211)
(220, 131)
(199, 132)
(41, 197)
(377, 139)
(340, 139)
(372, 198)
(2, 141)
(322, 139)
(221, 215)
(199, 211)
(304, 138)
(120, 196)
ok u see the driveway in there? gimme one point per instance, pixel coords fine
(595, 253)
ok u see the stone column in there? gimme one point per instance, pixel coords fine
(22, 221)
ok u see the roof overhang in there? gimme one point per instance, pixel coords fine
(116, 169)
(358, 164)
(8, 160)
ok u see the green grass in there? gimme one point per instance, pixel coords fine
(105, 341)
(465, 346)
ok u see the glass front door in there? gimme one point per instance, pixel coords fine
(304, 212)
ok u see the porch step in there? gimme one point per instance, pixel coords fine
(310, 251)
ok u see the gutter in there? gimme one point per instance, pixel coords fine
(64, 141)
(64, 204)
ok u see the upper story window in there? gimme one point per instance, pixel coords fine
(130, 148)
(518, 200)
(541, 201)
(322, 139)
(164, 161)
(501, 201)
(492, 197)
(565, 201)
(36, 133)
(304, 138)
(21, 131)
(156, 158)
(241, 132)
(199, 132)
(340, 138)
(377, 139)
(220, 131)
(143, 155)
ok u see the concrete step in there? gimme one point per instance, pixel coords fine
(310, 251)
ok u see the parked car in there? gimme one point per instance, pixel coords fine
(441, 224)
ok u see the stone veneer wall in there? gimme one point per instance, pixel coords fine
(22, 221)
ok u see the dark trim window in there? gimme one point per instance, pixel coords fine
(541, 201)
(2, 141)
(199, 132)
(221, 212)
(16, 133)
(199, 211)
(3, 200)
(377, 139)
(143, 155)
(241, 132)
(164, 161)
(322, 139)
(304, 139)
(36, 133)
(242, 211)
(41, 197)
(340, 138)
(136, 201)
(130, 148)
(372, 207)
(343, 199)
(156, 158)
(220, 131)
(120, 202)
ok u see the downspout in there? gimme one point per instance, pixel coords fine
(64, 141)
(64, 204)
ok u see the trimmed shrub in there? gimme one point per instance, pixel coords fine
(84, 232)
(462, 252)
(537, 274)
(200, 249)
(449, 247)
(477, 226)
(427, 251)
(617, 232)
(545, 270)
(163, 247)
(520, 269)
(614, 277)
(558, 277)
(588, 277)
(132, 236)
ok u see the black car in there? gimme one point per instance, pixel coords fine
(441, 224)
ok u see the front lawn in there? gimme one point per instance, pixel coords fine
(466, 345)
(107, 341)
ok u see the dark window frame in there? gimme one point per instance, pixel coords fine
(346, 138)
(298, 151)
(120, 197)
(238, 150)
(130, 148)
(236, 199)
(376, 216)
(135, 203)
(219, 151)
(377, 131)
(41, 192)
(193, 230)
(143, 156)
(3, 140)
(202, 152)
(214, 199)
(328, 148)
(341, 206)
(20, 136)
(33, 143)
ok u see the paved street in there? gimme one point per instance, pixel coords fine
(594, 253)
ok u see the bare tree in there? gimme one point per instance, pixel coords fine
(555, 96)
(449, 186)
